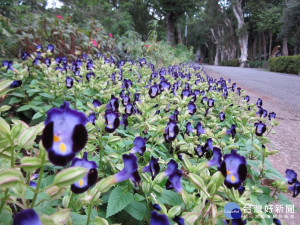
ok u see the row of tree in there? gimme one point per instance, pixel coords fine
(217, 29)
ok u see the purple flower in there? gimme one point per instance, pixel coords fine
(113, 104)
(247, 98)
(27, 217)
(96, 103)
(124, 121)
(171, 131)
(164, 85)
(199, 151)
(24, 56)
(130, 170)
(276, 221)
(156, 207)
(272, 115)
(217, 158)
(238, 91)
(48, 62)
(260, 128)
(171, 167)
(174, 116)
(199, 129)
(127, 83)
(204, 99)
(259, 102)
(153, 167)
(222, 116)
(295, 189)
(232, 131)
(154, 91)
(125, 100)
(69, 82)
(92, 118)
(178, 220)
(8, 65)
(50, 48)
(158, 219)
(191, 108)
(210, 102)
(39, 47)
(64, 134)
(89, 179)
(291, 176)
(189, 128)
(112, 121)
(16, 83)
(139, 145)
(234, 169)
(89, 76)
(185, 93)
(174, 181)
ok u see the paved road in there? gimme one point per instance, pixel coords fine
(280, 94)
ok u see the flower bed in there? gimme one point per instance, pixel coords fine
(99, 141)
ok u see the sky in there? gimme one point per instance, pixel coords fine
(53, 4)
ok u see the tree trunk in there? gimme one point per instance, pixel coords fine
(270, 46)
(259, 47)
(179, 36)
(285, 51)
(217, 56)
(170, 29)
(264, 46)
(243, 36)
(254, 49)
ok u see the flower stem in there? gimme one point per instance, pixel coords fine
(3, 200)
(39, 181)
(89, 214)
(71, 197)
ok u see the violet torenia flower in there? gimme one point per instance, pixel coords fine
(276, 221)
(204, 99)
(191, 108)
(222, 116)
(124, 121)
(113, 104)
(156, 207)
(238, 91)
(210, 102)
(232, 131)
(16, 83)
(295, 189)
(259, 102)
(50, 48)
(189, 128)
(130, 170)
(96, 103)
(89, 76)
(112, 121)
(48, 62)
(69, 82)
(158, 219)
(272, 115)
(89, 179)
(129, 109)
(171, 167)
(24, 56)
(217, 158)
(171, 131)
(153, 167)
(185, 93)
(239, 221)
(164, 85)
(92, 118)
(199, 150)
(291, 176)
(234, 169)
(139, 145)
(125, 100)
(64, 134)
(199, 129)
(8, 64)
(154, 91)
(27, 217)
(174, 116)
(178, 220)
(247, 98)
(174, 181)
(260, 128)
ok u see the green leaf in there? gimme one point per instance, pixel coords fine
(69, 176)
(169, 197)
(5, 217)
(283, 200)
(47, 95)
(23, 108)
(117, 201)
(37, 115)
(136, 209)
(14, 100)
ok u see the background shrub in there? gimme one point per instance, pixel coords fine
(232, 62)
(285, 64)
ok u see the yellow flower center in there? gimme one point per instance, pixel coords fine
(80, 182)
(232, 178)
(62, 147)
(56, 138)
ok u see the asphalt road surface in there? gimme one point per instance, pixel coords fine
(281, 94)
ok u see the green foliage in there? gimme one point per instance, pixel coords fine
(285, 64)
(256, 64)
(232, 62)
